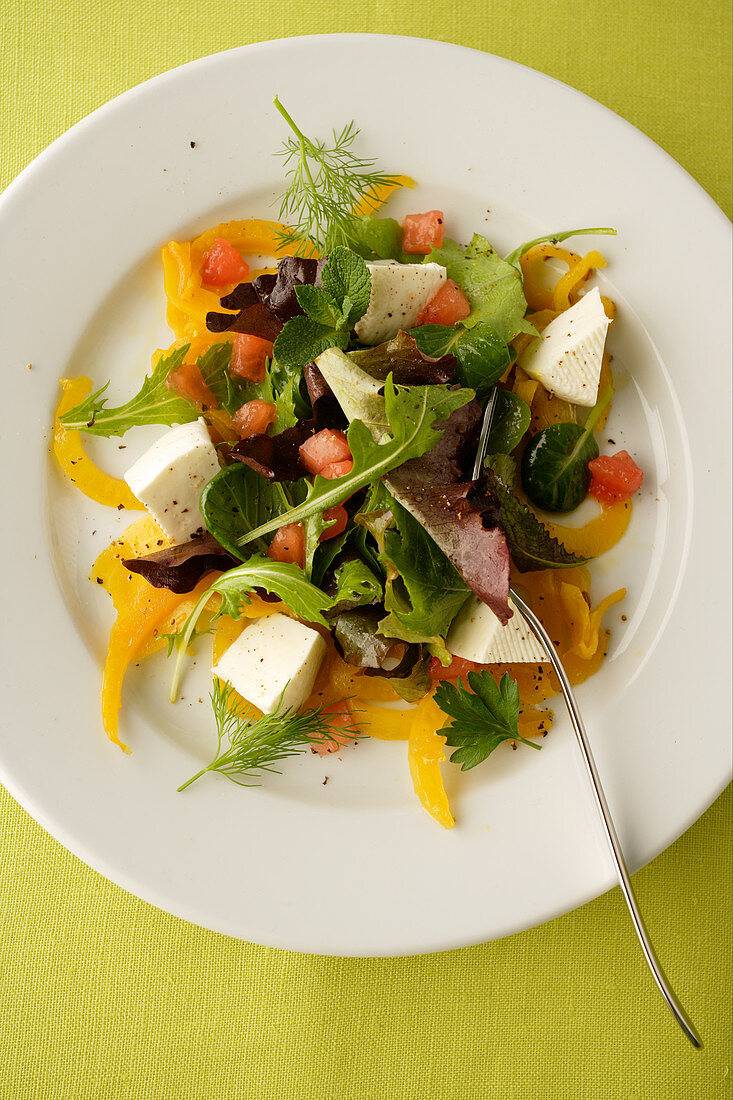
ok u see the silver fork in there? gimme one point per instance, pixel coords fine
(577, 722)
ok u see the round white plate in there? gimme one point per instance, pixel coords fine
(355, 866)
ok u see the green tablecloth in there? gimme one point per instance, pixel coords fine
(104, 996)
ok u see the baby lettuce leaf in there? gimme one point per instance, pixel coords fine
(236, 501)
(555, 474)
(155, 403)
(492, 286)
(481, 718)
(427, 591)
(505, 466)
(235, 587)
(482, 354)
(530, 543)
(354, 585)
(180, 568)
(512, 417)
(359, 394)
(375, 238)
(412, 414)
(357, 640)
(552, 238)
(402, 358)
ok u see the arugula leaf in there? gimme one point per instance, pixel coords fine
(482, 354)
(530, 543)
(238, 500)
(331, 310)
(555, 474)
(552, 238)
(481, 721)
(154, 403)
(255, 744)
(493, 286)
(512, 417)
(412, 413)
(234, 587)
(428, 591)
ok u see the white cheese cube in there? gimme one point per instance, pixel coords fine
(567, 357)
(169, 478)
(274, 656)
(399, 292)
(477, 635)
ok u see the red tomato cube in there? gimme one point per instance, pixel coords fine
(249, 357)
(341, 517)
(449, 306)
(337, 469)
(288, 544)
(340, 716)
(187, 382)
(324, 449)
(223, 265)
(614, 477)
(421, 232)
(254, 418)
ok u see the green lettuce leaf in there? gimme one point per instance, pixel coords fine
(512, 417)
(492, 286)
(482, 354)
(237, 500)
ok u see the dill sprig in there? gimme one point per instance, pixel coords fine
(325, 183)
(250, 745)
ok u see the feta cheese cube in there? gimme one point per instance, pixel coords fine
(274, 656)
(567, 356)
(399, 292)
(476, 634)
(169, 478)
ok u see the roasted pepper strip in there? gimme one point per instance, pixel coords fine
(77, 466)
(425, 755)
(377, 196)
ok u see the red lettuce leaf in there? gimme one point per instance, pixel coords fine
(180, 568)
(408, 366)
(264, 305)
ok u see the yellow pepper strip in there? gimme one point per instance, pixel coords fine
(597, 535)
(564, 294)
(530, 263)
(584, 623)
(77, 466)
(377, 196)
(609, 307)
(524, 386)
(425, 754)
(604, 381)
(252, 237)
(383, 722)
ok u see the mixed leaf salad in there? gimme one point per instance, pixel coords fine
(313, 504)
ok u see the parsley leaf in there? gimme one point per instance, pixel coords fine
(331, 310)
(481, 721)
(155, 403)
(412, 412)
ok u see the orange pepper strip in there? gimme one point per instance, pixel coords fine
(377, 196)
(425, 755)
(598, 535)
(385, 723)
(77, 466)
(564, 294)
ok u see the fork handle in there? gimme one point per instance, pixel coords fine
(613, 842)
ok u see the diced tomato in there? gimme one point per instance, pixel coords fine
(249, 357)
(458, 667)
(187, 382)
(614, 477)
(337, 469)
(421, 232)
(223, 265)
(339, 715)
(254, 417)
(341, 516)
(449, 306)
(288, 545)
(324, 449)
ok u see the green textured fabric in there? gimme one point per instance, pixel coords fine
(104, 996)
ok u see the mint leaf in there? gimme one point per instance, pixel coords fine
(481, 353)
(346, 276)
(318, 305)
(530, 543)
(302, 340)
(411, 414)
(481, 721)
(154, 403)
(493, 286)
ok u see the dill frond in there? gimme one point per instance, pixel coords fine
(325, 183)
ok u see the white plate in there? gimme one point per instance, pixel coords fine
(356, 867)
